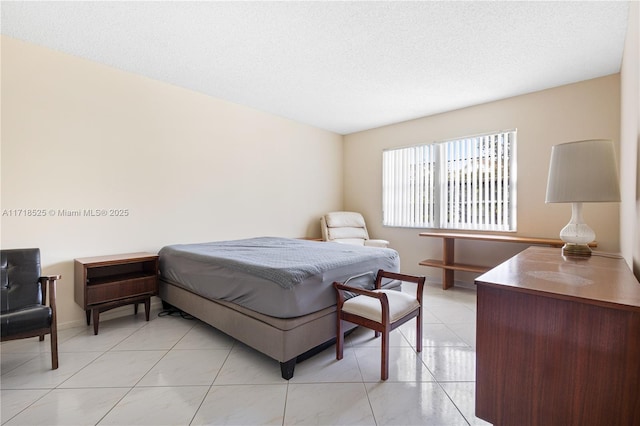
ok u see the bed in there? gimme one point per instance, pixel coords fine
(273, 294)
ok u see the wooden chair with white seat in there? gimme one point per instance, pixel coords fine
(379, 310)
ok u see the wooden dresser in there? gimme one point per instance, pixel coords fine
(558, 341)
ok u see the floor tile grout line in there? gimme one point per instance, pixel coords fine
(28, 406)
(212, 384)
(284, 408)
(452, 401)
(114, 405)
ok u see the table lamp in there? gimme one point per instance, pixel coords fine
(581, 172)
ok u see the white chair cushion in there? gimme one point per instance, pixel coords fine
(400, 304)
(347, 232)
(340, 219)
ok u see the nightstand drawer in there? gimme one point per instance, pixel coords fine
(101, 293)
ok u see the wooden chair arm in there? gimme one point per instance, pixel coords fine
(356, 290)
(48, 282)
(342, 287)
(384, 300)
(50, 278)
(419, 280)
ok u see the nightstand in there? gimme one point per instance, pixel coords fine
(107, 282)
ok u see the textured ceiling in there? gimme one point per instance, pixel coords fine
(340, 66)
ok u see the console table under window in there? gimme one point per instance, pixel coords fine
(448, 264)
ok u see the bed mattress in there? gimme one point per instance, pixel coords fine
(279, 277)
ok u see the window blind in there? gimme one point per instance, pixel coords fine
(409, 186)
(466, 183)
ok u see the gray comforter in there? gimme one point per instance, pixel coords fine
(284, 261)
(279, 277)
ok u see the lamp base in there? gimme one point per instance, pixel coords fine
(576, 250)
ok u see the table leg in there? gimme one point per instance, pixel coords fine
(447, 259)
(96, 319)
(147, 307)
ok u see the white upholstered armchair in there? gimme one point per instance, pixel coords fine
(349, 228)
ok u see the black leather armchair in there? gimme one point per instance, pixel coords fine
(24, 292)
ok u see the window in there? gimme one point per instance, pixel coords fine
(468, 183)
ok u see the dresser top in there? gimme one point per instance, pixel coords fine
(599, 280)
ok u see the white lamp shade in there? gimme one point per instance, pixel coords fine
(583, 171)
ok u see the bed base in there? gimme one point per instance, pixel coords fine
(287, 340)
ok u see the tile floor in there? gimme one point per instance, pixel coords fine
(176, 371)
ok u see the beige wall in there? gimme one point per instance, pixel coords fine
(585, 110)
(189, 168)
(629, 142)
